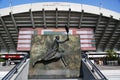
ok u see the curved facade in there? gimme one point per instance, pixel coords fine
(105, 23)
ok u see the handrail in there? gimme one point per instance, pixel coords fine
(14, 70)
(103, 54)
(95, 69)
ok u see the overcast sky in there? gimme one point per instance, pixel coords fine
(108, 4)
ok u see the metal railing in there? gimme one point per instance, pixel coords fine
(94, 69)
(14, 70)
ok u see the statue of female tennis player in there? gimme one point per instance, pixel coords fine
(54, 54)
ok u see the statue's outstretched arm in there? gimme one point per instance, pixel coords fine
(63, 41)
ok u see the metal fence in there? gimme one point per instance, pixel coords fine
(14, 70)
(94, 70)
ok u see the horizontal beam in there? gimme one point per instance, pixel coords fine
(113, 32)
(103, 33)
(6, 30)
(4, 43)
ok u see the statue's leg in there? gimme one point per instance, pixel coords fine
(49, 55)
(59, 55)
(63, 60)
(37, 61)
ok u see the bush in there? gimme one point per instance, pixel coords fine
(111, 55)
(2, 60)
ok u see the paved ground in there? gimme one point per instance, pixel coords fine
(6, 68)
(111, 72)
(106, 67)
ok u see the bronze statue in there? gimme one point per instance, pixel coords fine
(54, 54)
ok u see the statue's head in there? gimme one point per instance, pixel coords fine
(57, 37)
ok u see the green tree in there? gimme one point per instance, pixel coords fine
(111, 55)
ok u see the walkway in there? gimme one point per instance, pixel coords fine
(4, 70)
(111, 72)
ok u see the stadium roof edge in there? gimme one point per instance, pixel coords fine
(61, 6)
